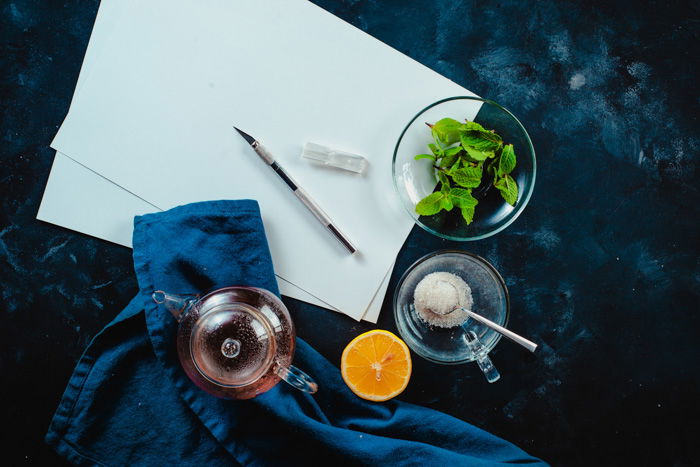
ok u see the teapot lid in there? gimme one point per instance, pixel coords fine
(232, 344)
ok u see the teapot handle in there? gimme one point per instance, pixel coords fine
(297, 378)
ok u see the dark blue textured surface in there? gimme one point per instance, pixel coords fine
(602, 266)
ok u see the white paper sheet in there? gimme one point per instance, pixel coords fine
(108, 211)
(79, 199)
(156, 119)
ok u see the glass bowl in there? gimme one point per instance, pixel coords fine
(448, 345)
(416, 179)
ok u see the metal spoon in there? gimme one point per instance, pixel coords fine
(529, 345)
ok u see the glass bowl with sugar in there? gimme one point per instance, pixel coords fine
(428, 301)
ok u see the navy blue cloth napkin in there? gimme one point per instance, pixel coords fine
(129, 403)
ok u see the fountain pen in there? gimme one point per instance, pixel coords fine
(298, 191)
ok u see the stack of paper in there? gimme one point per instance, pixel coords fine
(150, 127)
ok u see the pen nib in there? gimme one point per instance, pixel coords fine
(245, 136)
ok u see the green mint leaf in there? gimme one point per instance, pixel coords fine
(463, 163)
(435, 202)
(472, 126)
(468, 177)
(455, 167)
(445, 186)
(443, 178)
(447, 131)
(480, 138)
(477, 141)
(476, 154)
(468, 214)
(435, 150)
(446, 201)
(425, 156)
(431, 204)
(506, 162)
(452, 151)
(508, 188)
(462, 198)
(449, 160)
(490, 135)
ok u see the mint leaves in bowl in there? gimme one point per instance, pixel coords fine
(464, 168)
(461, 153)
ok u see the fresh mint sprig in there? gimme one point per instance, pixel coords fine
(460, 154)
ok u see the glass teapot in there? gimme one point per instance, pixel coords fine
(235, 342)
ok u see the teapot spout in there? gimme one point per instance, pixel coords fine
(177, 305)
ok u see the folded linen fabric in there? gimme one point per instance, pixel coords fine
(128, 401)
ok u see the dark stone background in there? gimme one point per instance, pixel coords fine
(602, 266)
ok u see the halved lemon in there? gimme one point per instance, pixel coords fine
(376, 365)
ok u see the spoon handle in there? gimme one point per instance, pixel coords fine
(529, 345)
